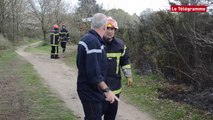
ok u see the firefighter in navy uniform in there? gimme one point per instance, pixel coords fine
(64, 37)
(118, 59)
(92, 67)
(54, 42)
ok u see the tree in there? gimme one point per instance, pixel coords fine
(4, 16)
(17, 15)
(87, 8)
(11, 16)
(47, 12)
(41, 10)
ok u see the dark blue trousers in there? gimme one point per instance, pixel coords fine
(92, 111)
(63, 45)
(54, 50)
(110, 110)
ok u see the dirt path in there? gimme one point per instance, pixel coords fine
(62, 80)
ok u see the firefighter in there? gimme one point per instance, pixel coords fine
(54, 42)
(117, 59)
(91, 63)
(64, 37)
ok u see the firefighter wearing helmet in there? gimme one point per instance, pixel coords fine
(118, 60)
(64, 37)
(54, 42)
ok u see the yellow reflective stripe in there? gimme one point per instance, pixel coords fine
(118, 62)
(117, 91)
(126, 66)
(54, 38)
(54, 33)
(113, 54)
(117, 56)
(124, 51)
(63, 33)
(54, 45)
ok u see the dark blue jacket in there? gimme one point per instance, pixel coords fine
(92, 66)
(54, 37)
(117, 59)
(64, 35)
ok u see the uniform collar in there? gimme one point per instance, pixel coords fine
(97, 35)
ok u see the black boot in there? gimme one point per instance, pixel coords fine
(52, 56)
(57, 57)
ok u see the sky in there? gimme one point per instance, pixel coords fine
(132, 6)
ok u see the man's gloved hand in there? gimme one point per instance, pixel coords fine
(129, 81)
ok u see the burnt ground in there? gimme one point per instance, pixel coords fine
(201, 99)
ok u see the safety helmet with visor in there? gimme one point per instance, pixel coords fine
(111, 23)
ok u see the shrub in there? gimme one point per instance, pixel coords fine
(4, 43)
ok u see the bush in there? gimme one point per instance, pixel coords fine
(4, 43)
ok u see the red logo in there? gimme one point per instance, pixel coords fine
(188, 8)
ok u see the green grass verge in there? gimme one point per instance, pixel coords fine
(42, 48)
(70, 59)
(39, 102)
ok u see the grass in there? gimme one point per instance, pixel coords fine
(144, 95)
(39, 102)
(71, 59)
(42, 48)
